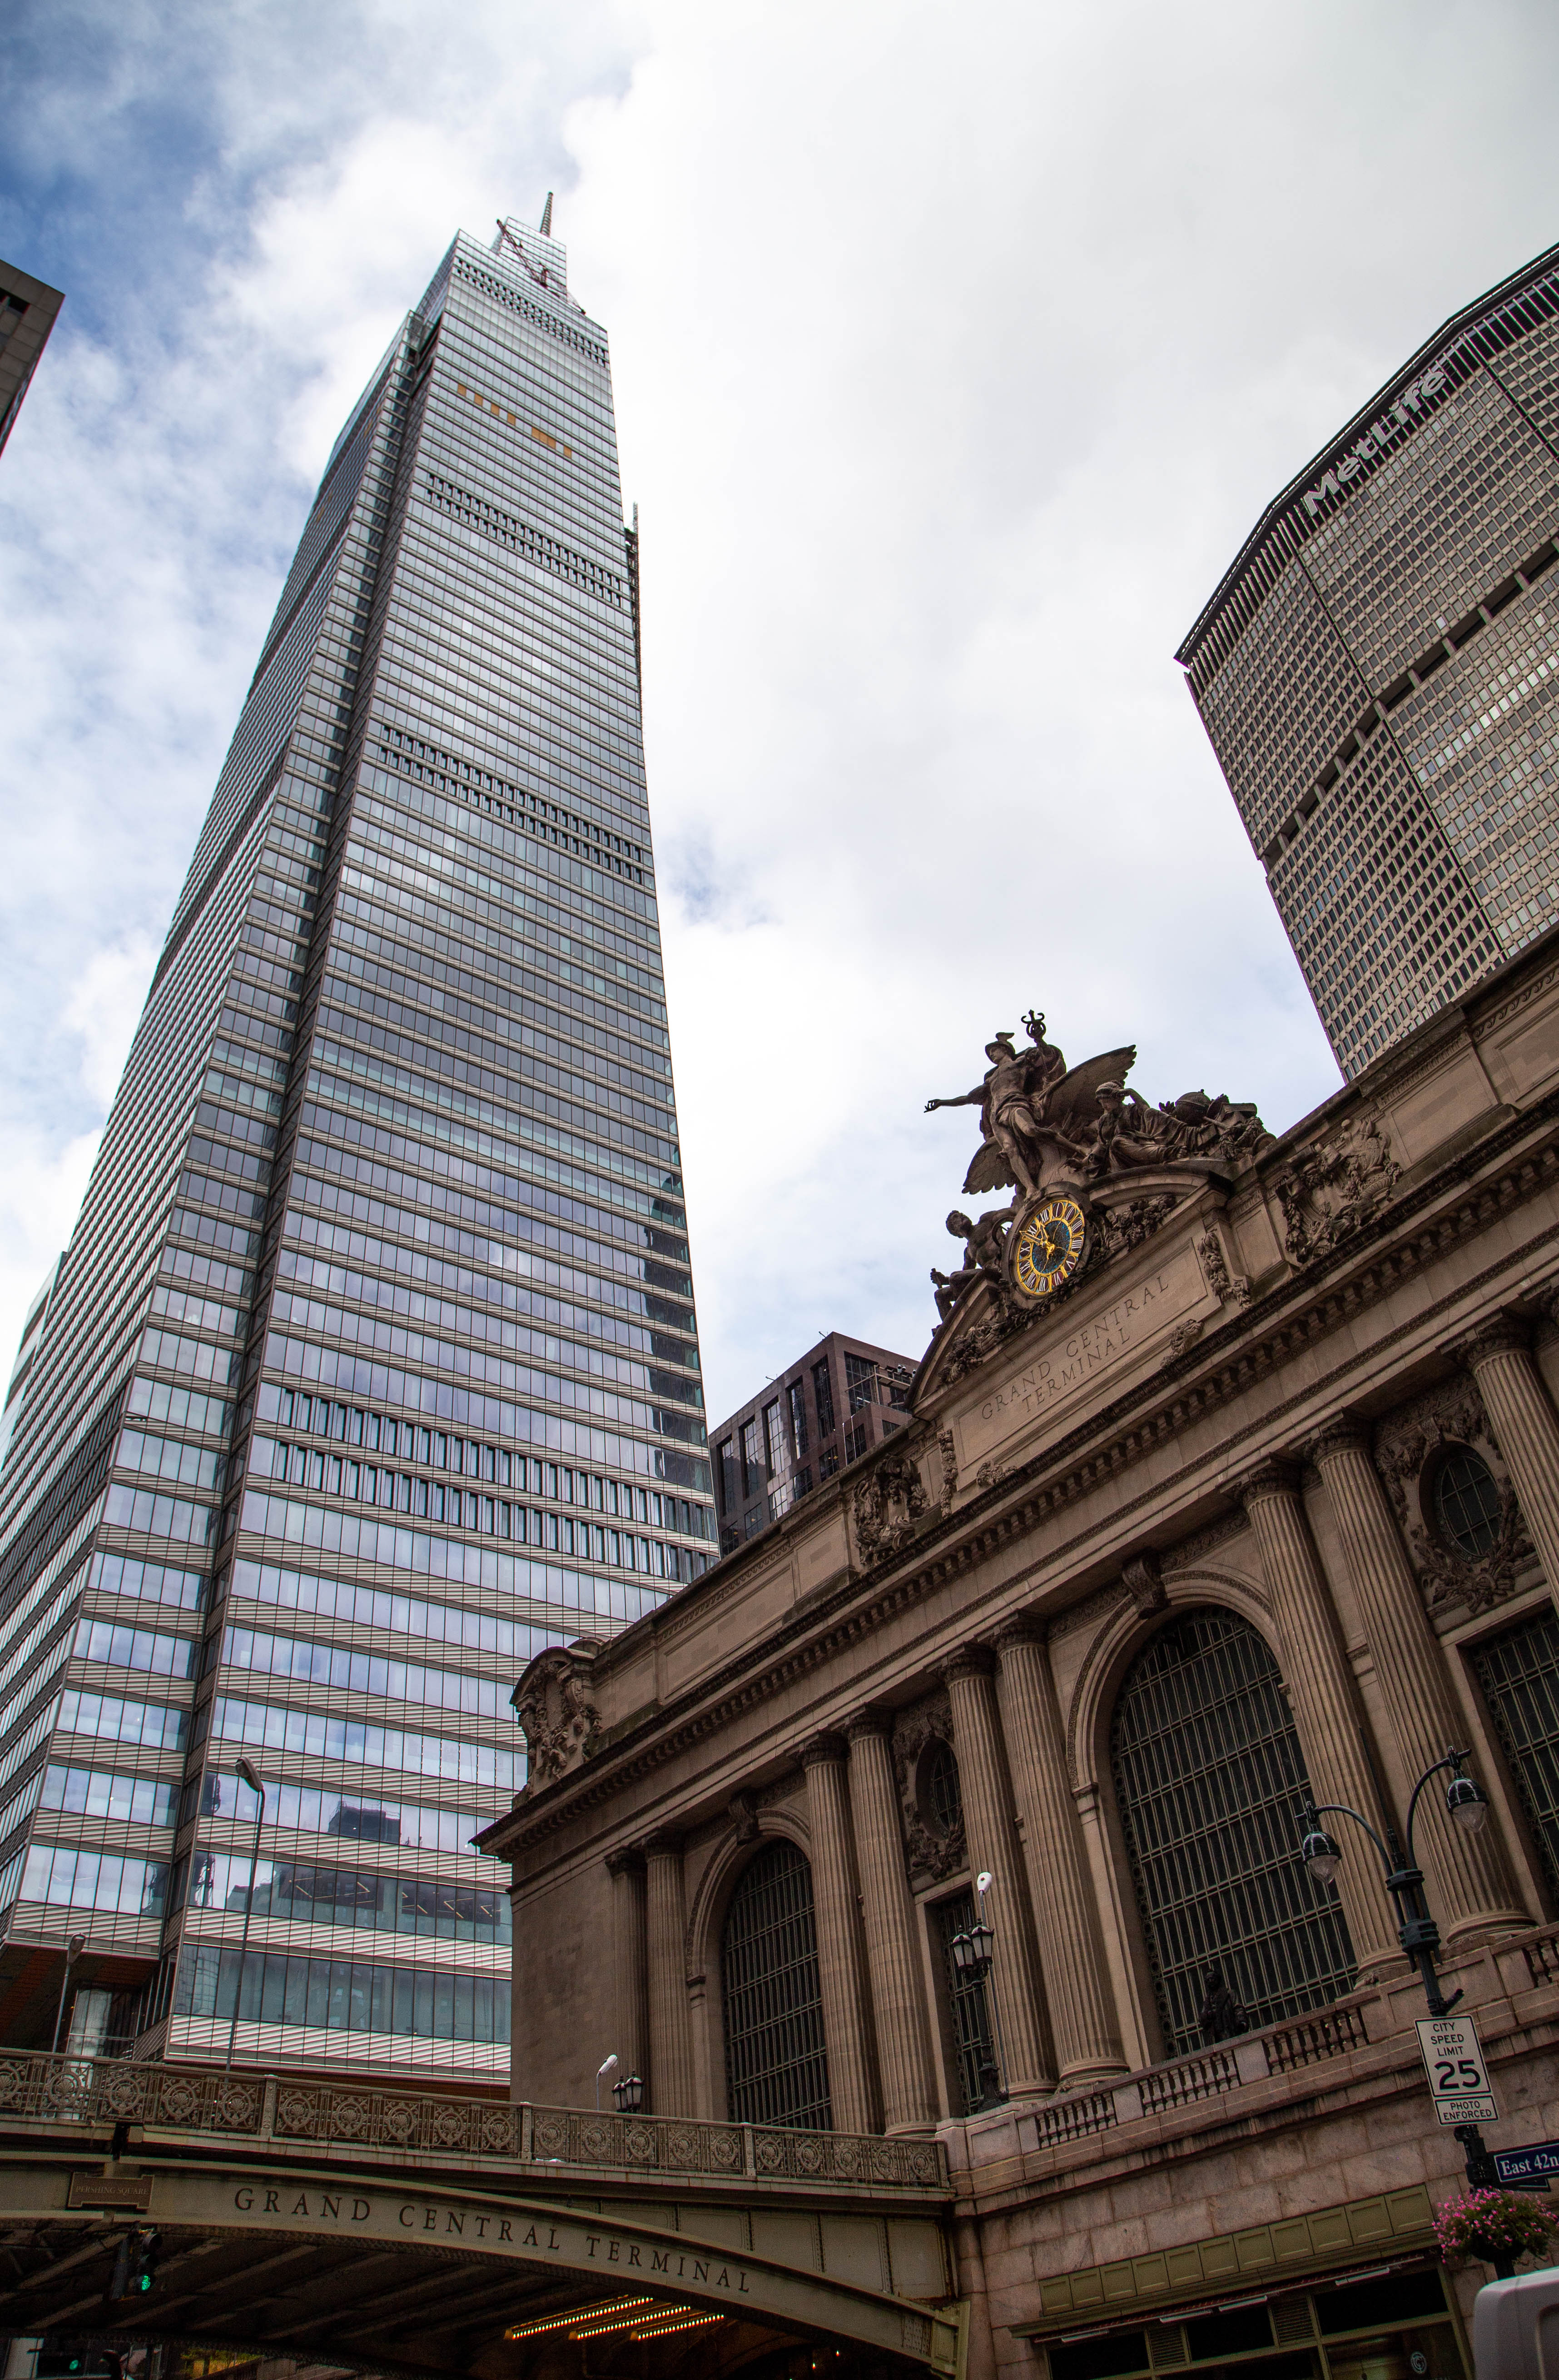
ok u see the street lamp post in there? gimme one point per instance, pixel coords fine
(607, 2066)
(74, 1947)
(973, 1955)
(245, 1776)
(1467, 1804)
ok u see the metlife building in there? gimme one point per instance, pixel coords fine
(372, 1366)
(1379, 675)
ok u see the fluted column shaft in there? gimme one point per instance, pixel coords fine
(1320, 1692)
(1525, 1428)
(630, 1960)
(671, 2034)
(842, 1950)
(1061, 1895)
(993, 1844)
(908, 2098)
(1470, 1887)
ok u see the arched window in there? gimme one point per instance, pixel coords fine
(1467, 1502)
(1519, 1675)
(943, 1798)
(1208, 1777)
(776, 2064)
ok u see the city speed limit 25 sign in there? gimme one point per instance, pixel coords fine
(1453, 2059)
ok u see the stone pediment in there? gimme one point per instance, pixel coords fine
(1002, 1377)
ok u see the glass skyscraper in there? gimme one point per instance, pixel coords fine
(1379, 675)
(372, 1364)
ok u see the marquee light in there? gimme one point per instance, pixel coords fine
(577, 2314)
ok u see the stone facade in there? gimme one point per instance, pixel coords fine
(1239, 1410)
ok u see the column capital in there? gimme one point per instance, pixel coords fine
(666, 1843)
(1025, 1628)
(1143, 1577)
(628, 1861)
(1505, 1333)
(1278, 1476)
(827, 1746)
(876, 1719)
(1344, 1434)
(969, 1661)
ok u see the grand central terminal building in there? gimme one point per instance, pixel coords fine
(1231, 1486)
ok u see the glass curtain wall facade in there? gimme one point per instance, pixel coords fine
(1378, 676)
(372, 1367)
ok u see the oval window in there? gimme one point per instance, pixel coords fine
(1467, 1503)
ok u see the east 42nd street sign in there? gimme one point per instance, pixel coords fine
(1458, 2079)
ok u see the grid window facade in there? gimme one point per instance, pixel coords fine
(777, 2070)
(1208, 1775)
(1379, 676)
(375, 1347)
(1519, 1672)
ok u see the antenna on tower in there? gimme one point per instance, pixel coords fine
(547, 218)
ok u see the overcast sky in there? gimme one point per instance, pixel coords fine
(955, 350)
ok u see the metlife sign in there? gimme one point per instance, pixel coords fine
(1372, 444)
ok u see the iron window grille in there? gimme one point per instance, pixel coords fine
(942, 1794)
(1208, 1775)
(1467, 1502)
(776, 2060)
(968, 2008)
(1519, 1675)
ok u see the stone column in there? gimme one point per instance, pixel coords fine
(842, 1951)
(909, 2095)
(1525, 1428)
(1321, 1692)
(630, 1957)
(671, 2034)
(1061, 1894)
(992, 1845)
(1468, 1886)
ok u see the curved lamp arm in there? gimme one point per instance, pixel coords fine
(1343, 1810)
(1453, 1760)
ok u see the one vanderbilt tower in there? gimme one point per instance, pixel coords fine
(371, 1368)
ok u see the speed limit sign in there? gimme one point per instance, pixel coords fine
(1458, 2079)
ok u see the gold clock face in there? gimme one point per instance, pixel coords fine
(1048, 1249)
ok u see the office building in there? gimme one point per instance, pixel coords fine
(28, 308)
(371, 1367)
(1379, 673)
(841, 1399)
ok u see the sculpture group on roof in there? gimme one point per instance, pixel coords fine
(1046, 1126)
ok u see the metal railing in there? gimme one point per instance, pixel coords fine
(279, 2109)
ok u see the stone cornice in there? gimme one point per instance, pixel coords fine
(1406, 1239)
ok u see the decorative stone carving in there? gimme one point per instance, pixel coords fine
(946, 1449)
(1336, 1186)
(560, 1722)
(1226, 1287)
(1143, 1577)
(1045, 1124)
(1184, 1336)
(931, 1852)
(1408, 1445)
(1050, 1131)
(991, 1473)
(741, 1810)
(888, 1503)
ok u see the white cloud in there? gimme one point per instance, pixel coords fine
(955, 353)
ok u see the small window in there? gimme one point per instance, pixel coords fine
(1467, 1503)
(943, 1800)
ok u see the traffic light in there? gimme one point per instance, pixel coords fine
(134, 2266)
(78, 2358)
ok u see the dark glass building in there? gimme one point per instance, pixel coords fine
(1379, 675)
(28, 308)
(372, 1366)
(843, 1397)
